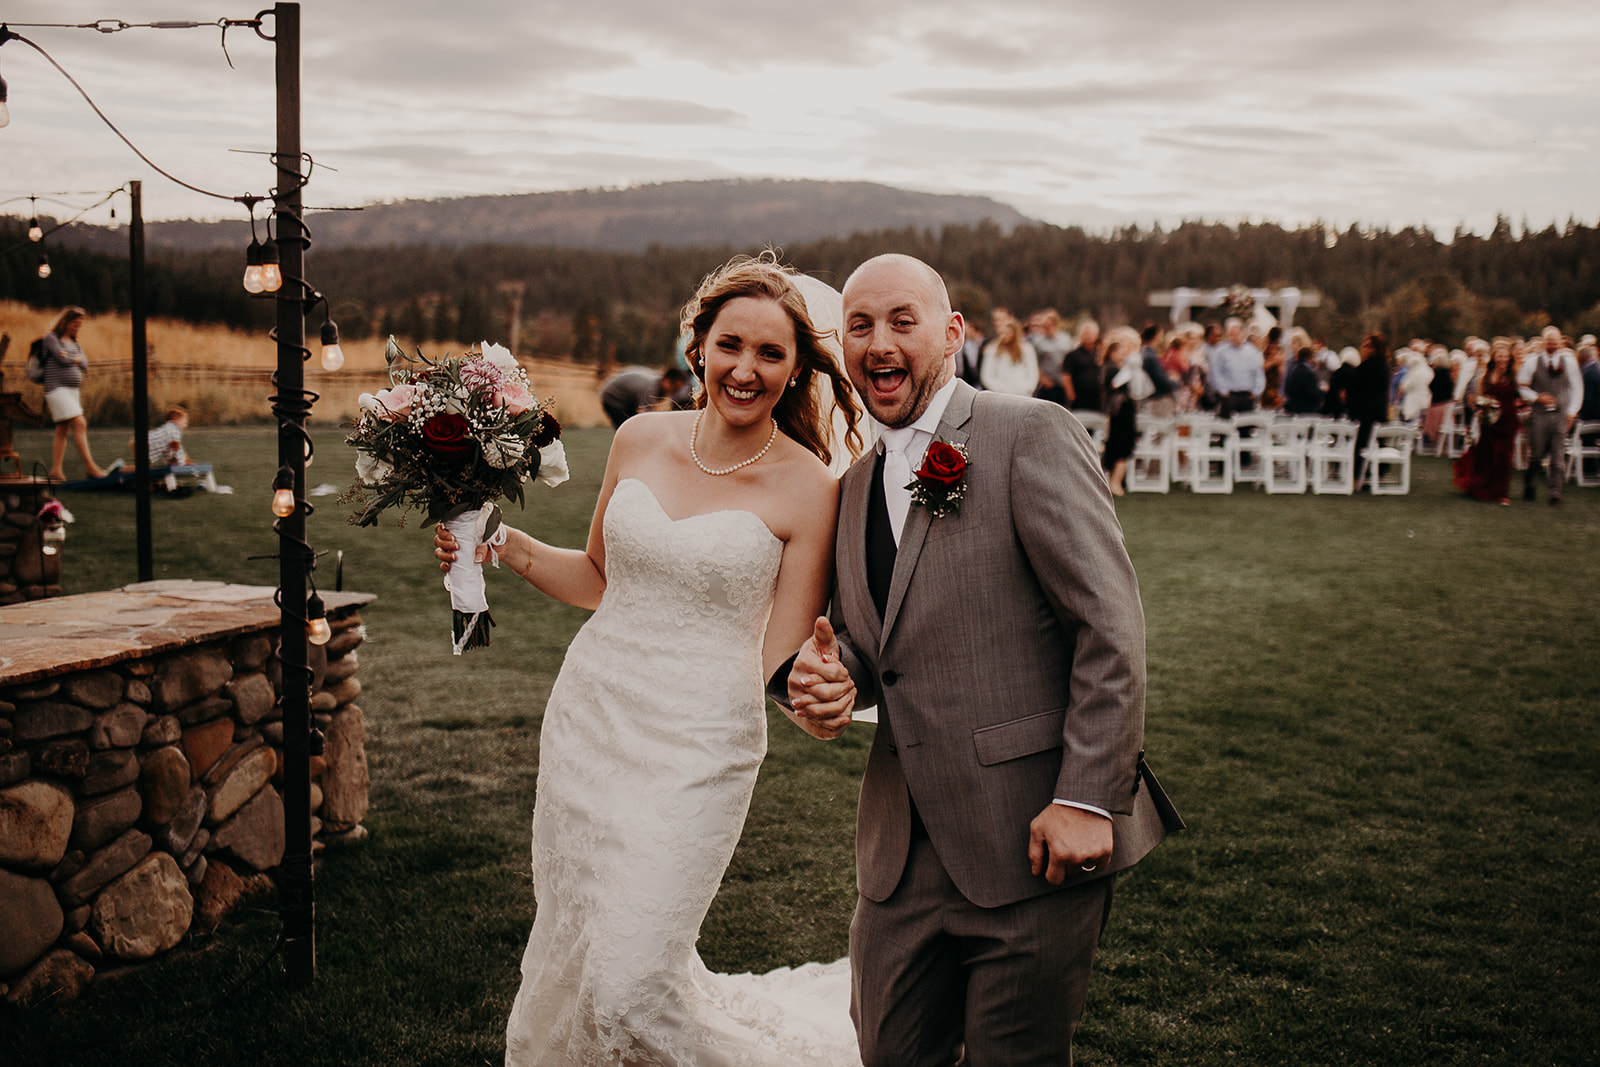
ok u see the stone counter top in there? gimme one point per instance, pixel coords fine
(47, 637)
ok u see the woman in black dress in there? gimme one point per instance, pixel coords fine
(1116, 400)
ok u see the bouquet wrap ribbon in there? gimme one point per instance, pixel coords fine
(464, 579)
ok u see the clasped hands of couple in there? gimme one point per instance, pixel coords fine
(822, 696)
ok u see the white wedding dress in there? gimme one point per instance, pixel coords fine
(647, 758)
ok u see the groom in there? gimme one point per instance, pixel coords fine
(1003, 644)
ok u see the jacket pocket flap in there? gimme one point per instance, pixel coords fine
(1018, 738)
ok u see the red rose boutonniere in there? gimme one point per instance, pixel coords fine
(939, 484)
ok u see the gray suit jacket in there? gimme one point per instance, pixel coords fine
(1009, 666)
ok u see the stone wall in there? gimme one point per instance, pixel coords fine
(28, 571)
(142, 799)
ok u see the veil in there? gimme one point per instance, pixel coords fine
(826, 307)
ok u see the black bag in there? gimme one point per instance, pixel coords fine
(36, 358)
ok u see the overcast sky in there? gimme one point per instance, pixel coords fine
(1086, 112)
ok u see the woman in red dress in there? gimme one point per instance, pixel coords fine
(1484, 470)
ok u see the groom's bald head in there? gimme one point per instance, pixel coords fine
(937, 297)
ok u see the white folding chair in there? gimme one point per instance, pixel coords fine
(1151, 469)
(1583, 453)
(1183, 431)
(1095, 423)
(1250, 446)
(1454, 433)
(1331, 457)
(1388, 459)
(1284, 462)
(1211, 457)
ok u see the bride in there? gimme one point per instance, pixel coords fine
(709, 556)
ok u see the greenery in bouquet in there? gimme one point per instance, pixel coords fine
(451, 435)
(1489, 408)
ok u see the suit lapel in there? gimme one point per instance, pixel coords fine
(952, 428)
(855, 594)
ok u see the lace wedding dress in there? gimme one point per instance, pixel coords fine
(648, 755)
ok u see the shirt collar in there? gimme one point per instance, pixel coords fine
(928, 422)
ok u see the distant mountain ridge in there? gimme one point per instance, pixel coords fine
(741, 213)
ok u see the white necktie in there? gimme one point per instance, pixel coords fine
(896, 476)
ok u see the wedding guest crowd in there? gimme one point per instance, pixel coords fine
(1237, 366)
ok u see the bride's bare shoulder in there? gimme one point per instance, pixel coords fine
(650, 431)
(805, 480)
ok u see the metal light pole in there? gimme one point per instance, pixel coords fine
(141, 382)
(296, 891)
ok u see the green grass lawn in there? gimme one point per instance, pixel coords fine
(1377, 715)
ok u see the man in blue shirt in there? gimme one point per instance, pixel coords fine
(1238, 371)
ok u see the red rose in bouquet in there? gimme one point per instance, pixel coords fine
(448, 436)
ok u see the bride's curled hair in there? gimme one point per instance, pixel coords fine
(799, 412)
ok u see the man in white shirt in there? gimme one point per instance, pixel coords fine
(1550, 381)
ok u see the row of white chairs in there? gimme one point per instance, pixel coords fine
(1275, 453)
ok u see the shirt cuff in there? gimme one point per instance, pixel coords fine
(1082, 807)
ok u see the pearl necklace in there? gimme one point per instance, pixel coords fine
(694, 435)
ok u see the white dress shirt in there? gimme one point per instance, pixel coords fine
(1568, 369)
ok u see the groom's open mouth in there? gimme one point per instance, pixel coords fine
(886, 382)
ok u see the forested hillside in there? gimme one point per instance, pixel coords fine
(593, 303)
(669, 214)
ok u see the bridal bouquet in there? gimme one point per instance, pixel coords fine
(453, 436)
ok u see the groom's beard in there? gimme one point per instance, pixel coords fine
(909, 407)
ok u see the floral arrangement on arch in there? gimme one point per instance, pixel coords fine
(1240, 303)
(453, 436)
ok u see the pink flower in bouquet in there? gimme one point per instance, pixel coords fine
(516, 399)
(396, 402)
(448, 436)
(481, 376)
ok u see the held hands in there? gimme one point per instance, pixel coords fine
(821, 691)
(1063, 840)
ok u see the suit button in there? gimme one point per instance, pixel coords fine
(890, 677)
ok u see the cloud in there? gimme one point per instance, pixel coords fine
(1041, 98)
(651, 111)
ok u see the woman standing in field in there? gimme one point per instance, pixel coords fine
(1484, 470)
(64, 364)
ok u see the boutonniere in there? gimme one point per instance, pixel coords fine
(939, 484)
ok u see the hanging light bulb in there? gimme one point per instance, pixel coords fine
(317, 629)
(332, 354)
(35, 231)
(44, 265)
(252, 267)
(5, 112)
(283, 493)
(271, 275)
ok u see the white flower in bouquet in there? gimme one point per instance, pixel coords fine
(371, 470)
(503, 450)
(499, 355)
(553, 464)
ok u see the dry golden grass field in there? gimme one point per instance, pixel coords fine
(223, 376)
